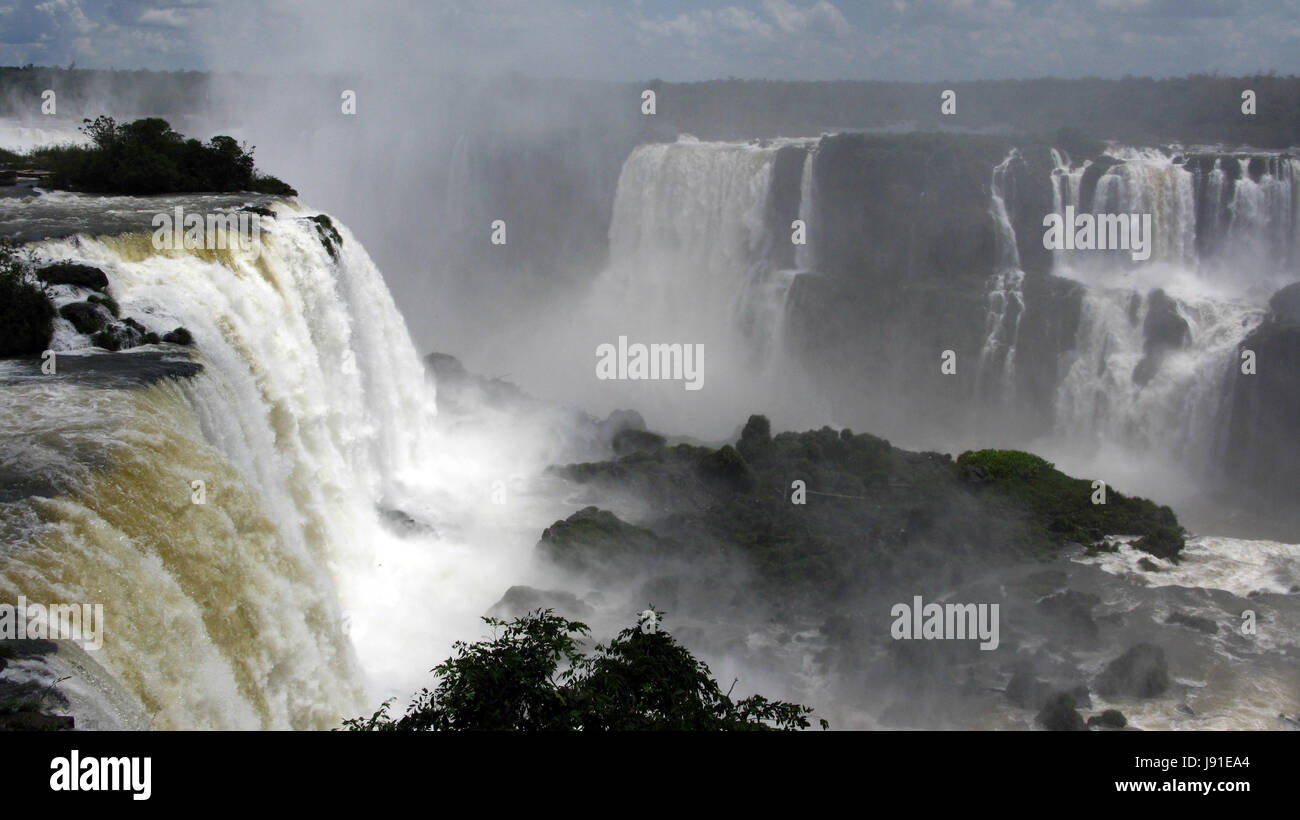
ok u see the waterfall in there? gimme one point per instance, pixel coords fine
(312, 411)
(695, 257)
(693, 213)
(1261, 227)
(22, 136)
(1099, 401)
(1221, 226)
(805, 259)
(1006, 301)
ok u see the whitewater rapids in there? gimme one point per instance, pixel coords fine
(286, 600)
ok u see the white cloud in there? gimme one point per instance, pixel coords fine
(820, 18)
(779, 21)
(171, 18)
(790, 39)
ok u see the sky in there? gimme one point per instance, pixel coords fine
(676, 40)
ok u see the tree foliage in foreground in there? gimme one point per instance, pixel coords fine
(533, 676)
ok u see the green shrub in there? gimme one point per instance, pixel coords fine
(147, 156)
(1007, 465)
(532, 676)
(26, 313)
(328, 234)
(107, 340)
(109, 303)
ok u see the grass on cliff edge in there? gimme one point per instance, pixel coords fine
(1064, 505)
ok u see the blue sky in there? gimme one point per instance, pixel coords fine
(669, 39)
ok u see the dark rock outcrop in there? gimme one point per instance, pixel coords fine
(1196, 622)
(1060, 715)
(520, 600)
(327, 233)
(594, 539)
(87, 318)
(72, 273)
(28, 705)
(26, 320)
(1284, 306)
(179, 336)
(629, 441)
(1163, 330)
(1109, 719)
(120, 335)
(1141, 672)
(1259, 471)
(1072, 611)
(1026, 691)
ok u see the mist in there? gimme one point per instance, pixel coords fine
(525, 188)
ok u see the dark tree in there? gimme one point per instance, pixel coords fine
(532, 676)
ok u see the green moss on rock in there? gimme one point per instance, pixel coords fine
(329, 235)
(86, 317)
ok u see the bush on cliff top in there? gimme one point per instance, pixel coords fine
(147, 157)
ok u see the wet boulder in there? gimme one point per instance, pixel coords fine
(1060, 715)
(72, 273)
(179, 336)
(1141, 672)
(1109, 719)
(86, 317)
(1284, 306)
(1164, 329)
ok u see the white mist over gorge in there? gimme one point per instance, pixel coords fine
(917, 416)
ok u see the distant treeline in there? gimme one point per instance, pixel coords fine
(84, 92)
(1197, 108)
(147, 157)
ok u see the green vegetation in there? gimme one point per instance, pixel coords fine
(84, 316)
(329, 235)
(109, 303)
(870, 515)
(107, 340)
(592, 537)
(532, 676)
(26, 314)
(1197, 108)
(1062, 506)
(147, 157)
(1007, 465)
(632, 441)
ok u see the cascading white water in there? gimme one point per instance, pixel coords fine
(22, 136)
(1148, 181)
(311, 412)
(693, 212)
(1261, 229)
(1102, 408)
(692, 261)
(1006, 300)
(805, 258)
